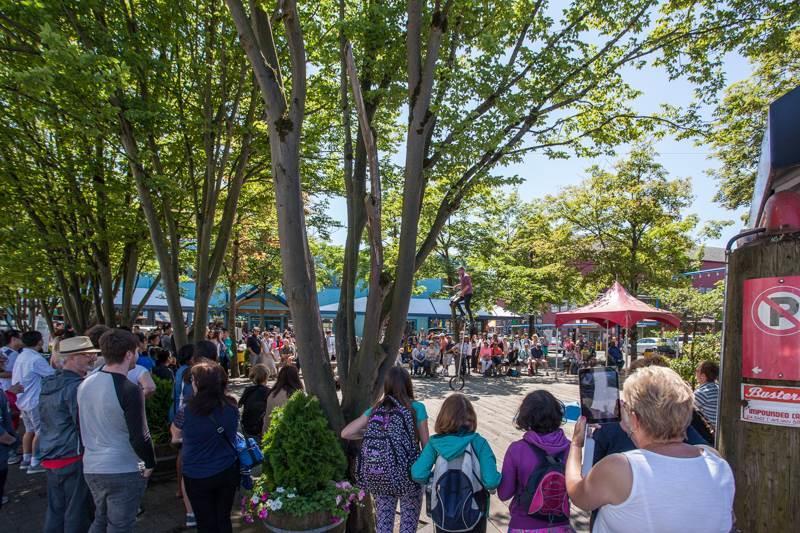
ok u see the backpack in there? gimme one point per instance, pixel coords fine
(453, 493)
(545, 494)
(389, 448)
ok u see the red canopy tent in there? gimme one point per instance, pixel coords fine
(617, 307)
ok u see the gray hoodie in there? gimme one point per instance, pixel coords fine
(58, 406)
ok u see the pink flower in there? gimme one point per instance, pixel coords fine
(264, 497)
(262, 514)
(248, 519)
(338, 500)
(361, 494)
(352, 497)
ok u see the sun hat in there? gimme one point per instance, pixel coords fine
(76, 345)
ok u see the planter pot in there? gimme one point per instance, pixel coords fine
(166, 458)
(319, 522)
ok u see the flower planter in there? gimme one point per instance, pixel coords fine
(280, 522)
(166, 457)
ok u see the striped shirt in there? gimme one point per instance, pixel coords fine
(706, 398)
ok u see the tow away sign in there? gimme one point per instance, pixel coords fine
(775, 406)
(771, 328)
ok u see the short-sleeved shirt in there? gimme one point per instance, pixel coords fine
(145, 361)
(419, 410)
(206, 452)
(136, 373)
(254, 344)
(466, 284)
(8, 357)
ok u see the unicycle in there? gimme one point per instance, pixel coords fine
(457, 381)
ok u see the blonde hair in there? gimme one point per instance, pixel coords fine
(456, 415)
(662, 401)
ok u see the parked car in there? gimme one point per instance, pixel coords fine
(645, 343)
(650, 346)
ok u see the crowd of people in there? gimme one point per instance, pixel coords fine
(657, 480)
(498, 354)
(81, 420)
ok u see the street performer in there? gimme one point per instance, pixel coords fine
(464, 294)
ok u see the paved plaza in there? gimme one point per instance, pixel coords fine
(495, 399)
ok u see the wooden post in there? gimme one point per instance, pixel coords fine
(765, 459)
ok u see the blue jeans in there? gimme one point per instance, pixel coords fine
(69, 503)
(116, 501)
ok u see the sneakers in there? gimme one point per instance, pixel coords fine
(36, 469)
(14, 459)
(191, 521)
(5, 500)
(24, 465)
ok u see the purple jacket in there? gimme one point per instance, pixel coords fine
(518, 465)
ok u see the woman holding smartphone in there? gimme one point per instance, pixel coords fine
(664, 483)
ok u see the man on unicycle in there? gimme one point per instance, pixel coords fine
(464, 294)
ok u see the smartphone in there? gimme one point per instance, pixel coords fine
(599, 392)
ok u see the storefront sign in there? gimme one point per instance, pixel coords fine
(776, 406)
(771, 328)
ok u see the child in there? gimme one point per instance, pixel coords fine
(397, 390)
(455, 430)
(540, 416)
(254, 401)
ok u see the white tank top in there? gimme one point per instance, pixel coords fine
(671, 494)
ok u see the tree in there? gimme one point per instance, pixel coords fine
(166, 91)
(525, 81)
(694, 307)
(741, 119)
(629, 225)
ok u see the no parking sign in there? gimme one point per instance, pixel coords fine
(771, 328)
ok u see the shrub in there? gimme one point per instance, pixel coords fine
(706, 348)
(300, 450)
(157, 409)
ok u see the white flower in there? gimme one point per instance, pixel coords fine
(254, 499)
(291, 495)
(276, 505)
(280, 489)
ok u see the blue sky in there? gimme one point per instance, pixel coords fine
(682, 159)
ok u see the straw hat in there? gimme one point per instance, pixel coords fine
(76, 345)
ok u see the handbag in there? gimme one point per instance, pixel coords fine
(246, 450)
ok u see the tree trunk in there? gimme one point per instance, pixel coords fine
(165, 254)
(130, 269)
(232, 289)
(285, 120)
(764, 458)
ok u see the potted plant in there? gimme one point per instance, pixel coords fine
(302, 486)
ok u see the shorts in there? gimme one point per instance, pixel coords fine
(32, 420)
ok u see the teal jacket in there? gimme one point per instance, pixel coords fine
(451, 446)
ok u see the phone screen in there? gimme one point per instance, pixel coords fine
(599, 391)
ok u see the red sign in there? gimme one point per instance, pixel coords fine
(771, 328)
(775, 406)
